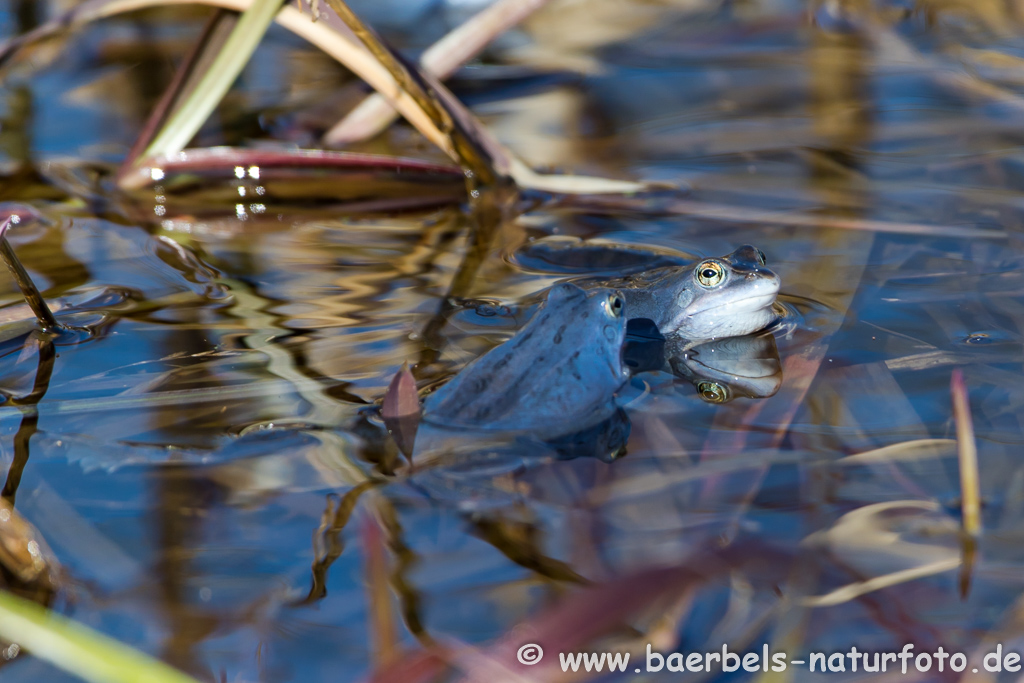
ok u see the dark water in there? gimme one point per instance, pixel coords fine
(195, 441)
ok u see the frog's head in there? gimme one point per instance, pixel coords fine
(731, 296)
(593, 321)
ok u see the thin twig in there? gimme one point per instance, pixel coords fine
(28, 288)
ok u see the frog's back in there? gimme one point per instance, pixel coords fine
(563, 367)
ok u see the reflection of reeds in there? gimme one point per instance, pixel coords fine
(383, 633)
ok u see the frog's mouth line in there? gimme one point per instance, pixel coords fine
(747, 305)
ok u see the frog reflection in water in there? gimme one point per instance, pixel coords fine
(719, 369)
(562, 369)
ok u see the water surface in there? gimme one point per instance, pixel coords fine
(199, 434)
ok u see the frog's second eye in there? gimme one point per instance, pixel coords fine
(710, 273)
(712, 392)
(615, 305)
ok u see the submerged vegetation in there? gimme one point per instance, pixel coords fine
(235, 276)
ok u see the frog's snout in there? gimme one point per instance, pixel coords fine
(767, 276)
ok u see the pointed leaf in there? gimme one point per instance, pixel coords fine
(401, 410)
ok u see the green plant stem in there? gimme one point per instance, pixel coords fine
(217, 80)
(76, 649)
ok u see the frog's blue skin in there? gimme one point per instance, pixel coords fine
(557, 375)
(675, 299)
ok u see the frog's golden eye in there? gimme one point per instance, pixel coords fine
(710, 273)
(712, 392)
(615, 305)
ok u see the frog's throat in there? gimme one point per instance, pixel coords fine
(749, 304)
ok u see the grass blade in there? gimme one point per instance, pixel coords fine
(76, 649)
(970, 489)
(215, 83)
(967, 450)
(206, 47)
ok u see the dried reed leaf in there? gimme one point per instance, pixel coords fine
(918, 449)
(855, 590)
(967, 451)
(970, 488)
(892, 543)
(739, 214)
(336, 44)
(374, 114)
(407, 81)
